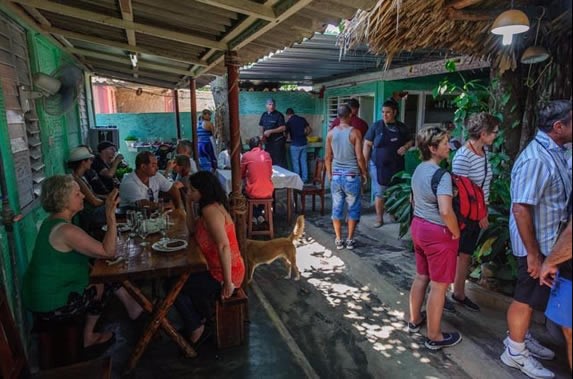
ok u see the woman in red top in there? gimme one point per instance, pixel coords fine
(215, 235)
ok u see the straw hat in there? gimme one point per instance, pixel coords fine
(79, 154)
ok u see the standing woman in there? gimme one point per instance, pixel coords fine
(435, 233)
(56, 284)
(215, 235)
(205, 129)
(471, 161)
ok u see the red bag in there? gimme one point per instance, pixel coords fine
(468, 201)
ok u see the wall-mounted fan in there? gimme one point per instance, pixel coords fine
(59, 90)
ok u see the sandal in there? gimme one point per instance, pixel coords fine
(98, 349)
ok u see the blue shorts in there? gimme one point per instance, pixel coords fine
(377, 189)
(346, 188)
(559, 305)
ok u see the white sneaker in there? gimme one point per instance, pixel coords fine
(536, 349)
(261, 219)
(526, 363)
(255, 221)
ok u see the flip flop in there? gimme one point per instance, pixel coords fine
(207, 333)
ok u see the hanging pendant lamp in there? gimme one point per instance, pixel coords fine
(535, 54)
(510, 22)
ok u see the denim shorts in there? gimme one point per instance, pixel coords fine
(346, 188)
(376, 188)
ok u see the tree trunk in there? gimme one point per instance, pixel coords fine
(220, 93)
(510, 82)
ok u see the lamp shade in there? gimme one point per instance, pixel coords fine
(510, 22)
(534, 54)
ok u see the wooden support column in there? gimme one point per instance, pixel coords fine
(193, 92)
(237, 200)
(177, 115)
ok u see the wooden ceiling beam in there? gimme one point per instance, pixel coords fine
(126, 61)
(129, 78)
(127, 15)
(119, 23)
(247, 7)
(123, 46)
(461, 4)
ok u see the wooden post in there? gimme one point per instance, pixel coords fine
(237, 200)
(193, 91)
(177, 115)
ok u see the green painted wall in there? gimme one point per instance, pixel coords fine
(253, 103)
(58, 134)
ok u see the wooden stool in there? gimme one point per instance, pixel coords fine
(60, 343)
(268, 204)
(230, 319)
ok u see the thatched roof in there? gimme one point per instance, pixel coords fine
(457, 27)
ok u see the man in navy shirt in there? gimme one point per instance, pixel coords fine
(298, 128)
(272, 128)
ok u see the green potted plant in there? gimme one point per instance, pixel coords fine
(130, 141)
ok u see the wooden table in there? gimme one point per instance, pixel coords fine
(282, 179)
(146, 263)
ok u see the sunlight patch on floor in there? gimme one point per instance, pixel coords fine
(383, 327)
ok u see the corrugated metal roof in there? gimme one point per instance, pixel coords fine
(176, 39)
(318, 59)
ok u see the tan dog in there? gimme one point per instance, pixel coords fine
(265, 252)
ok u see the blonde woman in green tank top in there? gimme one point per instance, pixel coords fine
(56, 284)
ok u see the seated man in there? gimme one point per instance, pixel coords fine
(183, 169)
(105, 165)
(257, 172)
(184, 147)
(141, 187)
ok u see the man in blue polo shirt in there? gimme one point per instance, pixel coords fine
(298, 128)
(272, 129)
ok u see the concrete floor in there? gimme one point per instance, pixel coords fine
(343, 319)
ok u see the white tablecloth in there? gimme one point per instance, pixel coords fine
(282, 178)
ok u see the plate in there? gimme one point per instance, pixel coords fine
(169, 245)
(121, 227)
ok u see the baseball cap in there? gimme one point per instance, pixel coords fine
(104, 145)
(79, 154)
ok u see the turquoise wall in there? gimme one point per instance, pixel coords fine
(57, 135)
(302, 102)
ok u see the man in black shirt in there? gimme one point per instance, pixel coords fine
(272, 129)
(105, 165)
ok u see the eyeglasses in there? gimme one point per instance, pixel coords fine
(150, 195)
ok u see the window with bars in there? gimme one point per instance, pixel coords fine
(23, 127)
(333, 103)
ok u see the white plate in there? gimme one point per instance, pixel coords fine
(121, 227)
(161, 246)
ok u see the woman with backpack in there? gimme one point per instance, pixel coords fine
(471, 162)
(435, 233)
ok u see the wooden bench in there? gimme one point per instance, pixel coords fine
(14, 364)
(60, 343)
(230, 315)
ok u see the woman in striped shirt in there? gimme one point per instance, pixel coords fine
(471, 161)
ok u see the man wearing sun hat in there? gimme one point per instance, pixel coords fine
(106, 164)
(272, 129)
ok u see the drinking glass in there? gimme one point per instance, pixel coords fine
(165, 221)
(143, 228)
(131, 222)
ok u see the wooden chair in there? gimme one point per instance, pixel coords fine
(315, 188)
(230, 316)
(13, 362)
(268, 204)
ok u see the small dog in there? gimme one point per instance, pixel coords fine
(265, 252)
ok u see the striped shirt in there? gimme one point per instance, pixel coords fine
(469, 164)
(540, 178)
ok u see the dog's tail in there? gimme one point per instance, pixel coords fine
(298, 229)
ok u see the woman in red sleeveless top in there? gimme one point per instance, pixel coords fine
(215, 235)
